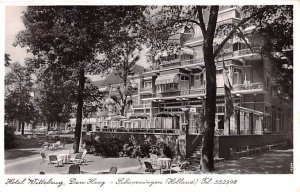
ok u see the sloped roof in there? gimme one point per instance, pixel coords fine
(112, 78)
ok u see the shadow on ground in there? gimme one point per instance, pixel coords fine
(19, 153)
(275, 162)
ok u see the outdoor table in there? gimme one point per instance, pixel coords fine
(164, 163)
(64, 157)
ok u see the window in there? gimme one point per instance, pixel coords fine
(135, 100)
(239, 46)
(184, 83)
(198, 80)
(147, 84)
(167, 87)
(237, 14)
(237, 76)
(220, 109)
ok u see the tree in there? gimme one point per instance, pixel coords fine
(123, 57)
(73, 37)
(168, 20)
(19, 103)
(55, 95)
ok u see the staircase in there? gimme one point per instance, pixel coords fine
(196, 155)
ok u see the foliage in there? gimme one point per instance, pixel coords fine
(7, 60)
(276, 23)
(108, 147)
(137, 147)
(54, 94)
(19, 102)
(10, 139)
(124, 54)
(74, 37)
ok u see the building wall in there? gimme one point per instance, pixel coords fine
(234, 141)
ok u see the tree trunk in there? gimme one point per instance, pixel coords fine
(23, 127)
(207, 157)
(48, 127)
(122, 110)
(79, 111)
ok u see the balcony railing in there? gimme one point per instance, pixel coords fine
(141, 106)
(171, 93)
(193, 91)
(183, 62)
(248, 86)
(146, 90)
(238, 53)
(192, 61)
(168, 93)
(137, 106)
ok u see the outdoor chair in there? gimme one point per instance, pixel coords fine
(113, 170)
(74, 169)
(153, 158)
(54, 161)
(53, 146)
(45, 145)
(180, 168)
(77, 159)
(61, 146)
(149, 167)
(44, 157)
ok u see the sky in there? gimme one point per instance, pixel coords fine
(14, 24)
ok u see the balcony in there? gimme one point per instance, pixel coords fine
(238, 53)
(192, 61)
(248, 87)
(174, 93)
(135, 106)
(177, 62)
(193, 91)
(141, 106)
(169, 93)
(145, 91)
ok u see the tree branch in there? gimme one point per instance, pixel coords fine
(244, 39)
(234, 29)
(188, 20)
(200, 17)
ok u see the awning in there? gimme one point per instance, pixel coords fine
(186, 51)
(165, 79)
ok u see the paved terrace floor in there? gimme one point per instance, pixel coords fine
(29, 161)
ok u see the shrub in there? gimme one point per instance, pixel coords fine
(10, 139)
(137, 147)
(108, 147)
(165, 150)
